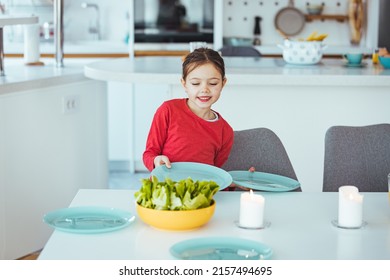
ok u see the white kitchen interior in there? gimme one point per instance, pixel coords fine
(46, 149)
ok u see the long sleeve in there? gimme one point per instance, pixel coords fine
(156, 138)
(223, 154)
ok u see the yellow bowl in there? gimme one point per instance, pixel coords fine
(175, 220)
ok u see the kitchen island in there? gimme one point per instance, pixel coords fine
(53, 141)
(298, 102)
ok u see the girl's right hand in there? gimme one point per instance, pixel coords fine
(161, 160)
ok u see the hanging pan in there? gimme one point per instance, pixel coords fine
(289, 20)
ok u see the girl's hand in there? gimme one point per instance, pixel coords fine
(160, 160)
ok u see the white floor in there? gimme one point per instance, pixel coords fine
(126, 180)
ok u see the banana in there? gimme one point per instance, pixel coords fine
(321, 37)
(314, 37)
(311, 36)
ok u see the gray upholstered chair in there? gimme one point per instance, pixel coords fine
(262, 149)
(239, 51)
(357, 155)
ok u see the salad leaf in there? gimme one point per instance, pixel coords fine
(144, 195)
(185, 194)
(200, 201)
(176, 203)
(161, 197)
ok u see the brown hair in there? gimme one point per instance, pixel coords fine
(200, 57)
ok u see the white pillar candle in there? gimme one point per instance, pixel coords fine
(251, 210)
(350, 207)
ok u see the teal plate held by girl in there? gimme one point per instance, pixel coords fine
(195, 171)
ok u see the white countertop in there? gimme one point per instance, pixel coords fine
(167, 70)
(242, 71)
(20, 77)
(300, 229)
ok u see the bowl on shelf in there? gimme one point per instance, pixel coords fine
(314, 9)
(302, 52)
(385, 61)
(176, 219)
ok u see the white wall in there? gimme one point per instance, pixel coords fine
(113, 20)
(239, 20)
(46, 156)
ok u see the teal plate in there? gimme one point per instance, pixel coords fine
(264, 181)
(220, 248)
(196, 171)
(88, 219)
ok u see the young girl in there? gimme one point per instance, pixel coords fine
(188, 129)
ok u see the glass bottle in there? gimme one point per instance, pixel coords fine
(375, 56)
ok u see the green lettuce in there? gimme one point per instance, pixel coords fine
(185, 194)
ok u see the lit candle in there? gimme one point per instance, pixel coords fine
(251, 210)
(350, 207)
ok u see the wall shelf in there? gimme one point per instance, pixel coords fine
(339, 18)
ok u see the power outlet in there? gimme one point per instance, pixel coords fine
(70, 104)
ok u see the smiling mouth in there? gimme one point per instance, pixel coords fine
(204, 99)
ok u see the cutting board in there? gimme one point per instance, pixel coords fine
(356, 20)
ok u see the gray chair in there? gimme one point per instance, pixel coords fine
(357, 155)
(262, 149)
(240, 51)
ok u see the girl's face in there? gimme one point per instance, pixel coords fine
(203, 86)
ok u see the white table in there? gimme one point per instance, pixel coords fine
(300, 229)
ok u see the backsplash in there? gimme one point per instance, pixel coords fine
(238, 19)
(78, 21)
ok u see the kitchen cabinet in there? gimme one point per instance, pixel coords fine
(46, 154)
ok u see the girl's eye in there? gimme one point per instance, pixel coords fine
(195, 84)
(213, 84)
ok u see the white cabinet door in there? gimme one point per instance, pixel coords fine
(46, 156)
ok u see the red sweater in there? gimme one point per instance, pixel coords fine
(179, 134)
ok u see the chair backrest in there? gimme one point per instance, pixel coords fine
(239, 51)
(262, 149)
(358, 156)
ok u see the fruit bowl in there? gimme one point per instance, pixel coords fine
(385, 61)
(302, 52)
(176, 219)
